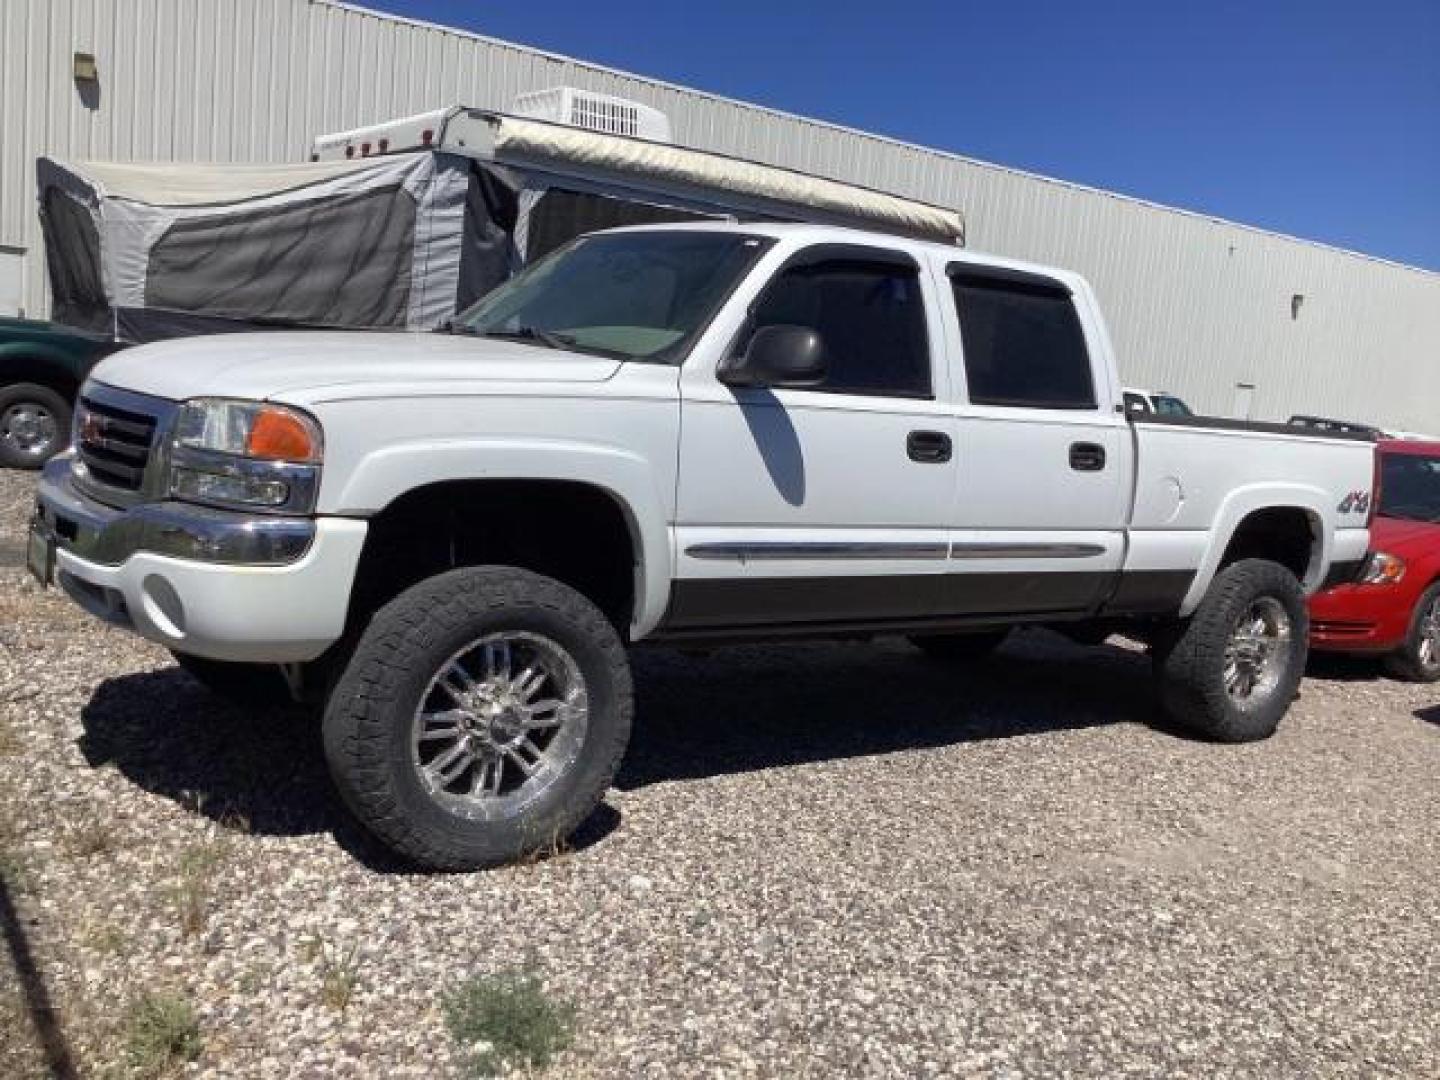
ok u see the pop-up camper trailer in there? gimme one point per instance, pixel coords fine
(398, 226)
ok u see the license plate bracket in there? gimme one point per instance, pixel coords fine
(40, 553)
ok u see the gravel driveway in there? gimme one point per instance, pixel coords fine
(837, 860)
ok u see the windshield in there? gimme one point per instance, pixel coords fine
(1410, 487)
(632, 295)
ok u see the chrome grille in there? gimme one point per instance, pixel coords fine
(114, 443)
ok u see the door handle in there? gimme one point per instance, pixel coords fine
(1087, 457)
(931, 447)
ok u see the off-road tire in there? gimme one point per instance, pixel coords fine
(40, 397)
(1406, 663)
(962, 648)
(257, 685)
(369, 717)
(1190, 662)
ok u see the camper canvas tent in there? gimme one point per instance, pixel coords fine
(400, 240)
(151, 251)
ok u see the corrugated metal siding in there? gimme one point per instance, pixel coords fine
(1195, 305)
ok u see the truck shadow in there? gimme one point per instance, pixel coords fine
(747, 709)
(736, 710)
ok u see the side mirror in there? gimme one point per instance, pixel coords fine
(778, 356)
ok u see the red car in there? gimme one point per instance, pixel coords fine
(1393, 608)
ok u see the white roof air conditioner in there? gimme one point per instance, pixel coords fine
(594, 112)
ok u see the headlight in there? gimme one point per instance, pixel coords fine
(1382, 569)
(253, 429)
(246, 455)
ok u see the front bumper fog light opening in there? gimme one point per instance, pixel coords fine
(207, 487)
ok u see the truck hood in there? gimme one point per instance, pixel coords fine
(327, 365)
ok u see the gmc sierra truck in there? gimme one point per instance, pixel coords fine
(683, 434)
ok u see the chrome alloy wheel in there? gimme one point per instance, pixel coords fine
(1428, 646)
(1255, 655)
(29, 427)
(501, 721)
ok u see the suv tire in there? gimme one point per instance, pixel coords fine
(481, 718)
(1230, 671)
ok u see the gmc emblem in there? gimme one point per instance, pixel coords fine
(92, 428)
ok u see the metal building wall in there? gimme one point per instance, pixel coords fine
(1196, 305)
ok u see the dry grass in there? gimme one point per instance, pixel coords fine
(339, 971)
(107, 939)
(192, 893)
(159, 1032)
(9, 741)
(14, 865)
(20, 1053)
(505, 1021)
(91, 838)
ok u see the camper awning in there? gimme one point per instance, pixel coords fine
(170, 184)
(537, 140)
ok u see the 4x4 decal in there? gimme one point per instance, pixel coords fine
(1357, 502)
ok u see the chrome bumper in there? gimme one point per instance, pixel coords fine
(108, 536)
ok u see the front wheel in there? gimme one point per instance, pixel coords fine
(1418, 660)
(481, 718)
(1231, 671)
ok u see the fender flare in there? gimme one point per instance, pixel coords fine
(1314, 502)
(381, 477)
(44, 363)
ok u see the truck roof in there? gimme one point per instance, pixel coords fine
(811, 232)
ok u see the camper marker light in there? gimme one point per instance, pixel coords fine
(250, 429)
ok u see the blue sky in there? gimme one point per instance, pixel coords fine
(1320, 119)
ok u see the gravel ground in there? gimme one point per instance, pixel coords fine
(818, 861)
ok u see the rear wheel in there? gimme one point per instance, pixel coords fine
(1418, 660)
(34, 425)
(1231, 671)
(975, 645)
(482, 717)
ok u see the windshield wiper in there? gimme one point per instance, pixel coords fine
(450, 326)
(548, 338)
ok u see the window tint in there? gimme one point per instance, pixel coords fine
(1410, 487)
(1166, 405)
(559, 216)
(1023, 343)
(870, 316)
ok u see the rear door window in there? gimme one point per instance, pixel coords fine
(1024, 346)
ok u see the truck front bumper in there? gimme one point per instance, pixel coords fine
(212, 583)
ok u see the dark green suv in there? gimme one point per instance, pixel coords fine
(42, 365)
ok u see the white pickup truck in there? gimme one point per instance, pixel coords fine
(674, 434)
